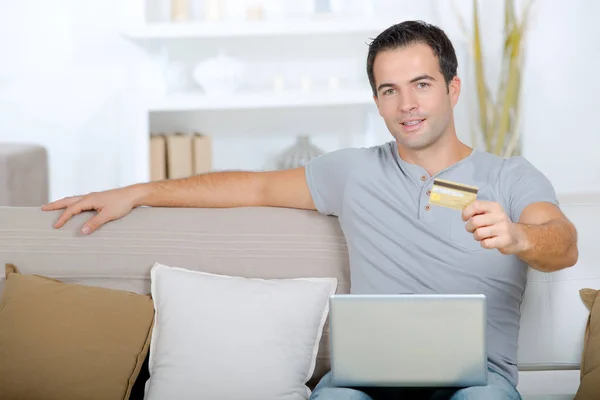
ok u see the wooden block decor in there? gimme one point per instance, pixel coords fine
(202, 154)
(158, 158)
(179, 155)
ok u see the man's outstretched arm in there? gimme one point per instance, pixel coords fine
(286, 188)
(549, 239)
(543, 237)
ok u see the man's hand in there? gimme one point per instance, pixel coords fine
(492, 227)
(110, 205)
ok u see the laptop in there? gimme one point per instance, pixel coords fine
(408, 340)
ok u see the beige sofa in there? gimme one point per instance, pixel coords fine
(277, 243)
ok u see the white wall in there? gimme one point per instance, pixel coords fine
(64, 77)
(560, 86)
(562, 136)
(68, 80)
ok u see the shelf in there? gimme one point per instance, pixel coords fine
(200, 102)
(180, 30)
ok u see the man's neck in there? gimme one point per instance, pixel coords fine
(437, 157)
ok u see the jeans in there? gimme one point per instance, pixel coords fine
(497, 388)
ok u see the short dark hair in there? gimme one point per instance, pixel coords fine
(411, 32)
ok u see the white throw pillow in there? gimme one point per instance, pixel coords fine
(233, 338)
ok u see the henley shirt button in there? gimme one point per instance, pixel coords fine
(427, 207)
(423, 178)
(428, 192)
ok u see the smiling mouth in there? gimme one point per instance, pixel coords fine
(413, 123)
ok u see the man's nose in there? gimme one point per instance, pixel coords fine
(408, 102)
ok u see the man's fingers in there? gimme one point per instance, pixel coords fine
(62, 203)
(71, 210)
(481, 220)
(95, 222)
(477, 207)
(484, 233)
(489, 243)
(496, 242)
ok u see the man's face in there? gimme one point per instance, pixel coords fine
(412, 96)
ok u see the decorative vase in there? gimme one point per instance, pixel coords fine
(298, 154)
(322, 7)
(219, 75)
(498, 114)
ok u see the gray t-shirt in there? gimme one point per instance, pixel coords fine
(396, 244)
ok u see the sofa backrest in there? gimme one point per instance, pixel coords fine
(278, 243)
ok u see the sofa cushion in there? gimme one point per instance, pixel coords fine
(590, 360)
(68, 341)
(229, 337)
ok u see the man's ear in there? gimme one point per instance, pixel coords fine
(454, 90)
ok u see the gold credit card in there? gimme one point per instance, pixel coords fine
(451, 194)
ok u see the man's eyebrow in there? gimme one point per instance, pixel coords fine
(422, 77)
(413, 80)
(385, 85)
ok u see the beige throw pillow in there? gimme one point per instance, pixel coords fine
(589, 387)
(69, 341)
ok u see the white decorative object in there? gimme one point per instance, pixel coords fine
(219, 75)
(176, 76)
(298, 155)
(214, 10)
(231, 338)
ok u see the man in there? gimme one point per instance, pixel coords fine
(397, 241)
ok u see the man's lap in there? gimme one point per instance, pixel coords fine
(497, 388)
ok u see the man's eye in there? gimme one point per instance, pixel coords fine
(389, 91)
(422, 85)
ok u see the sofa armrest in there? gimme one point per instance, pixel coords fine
(23, 175)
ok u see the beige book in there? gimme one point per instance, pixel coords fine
(179, 156)
(158, 158)
(202, 154)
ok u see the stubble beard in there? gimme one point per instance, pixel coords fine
(423, 141)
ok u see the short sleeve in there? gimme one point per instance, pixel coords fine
(523, 184)
(327, 176)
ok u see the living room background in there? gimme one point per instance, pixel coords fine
(80, 78)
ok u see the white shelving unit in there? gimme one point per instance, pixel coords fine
(345, 112)
(246, 101)
(245, 29)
